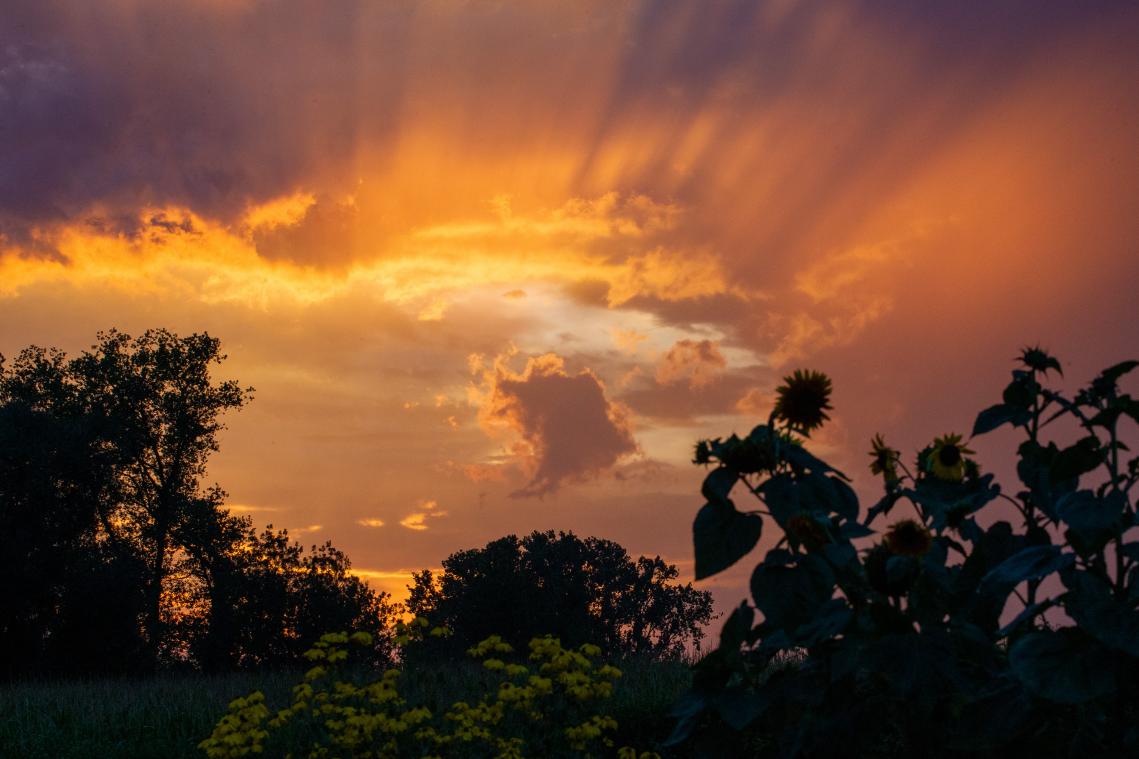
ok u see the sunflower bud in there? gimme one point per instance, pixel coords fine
(885, 460)
(806, 531)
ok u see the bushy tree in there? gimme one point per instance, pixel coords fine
(114, 556)
(954, 631)
(583, 591)
(158, 412)
(65, 605)
(270, 600)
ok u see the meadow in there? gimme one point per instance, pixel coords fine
(167, 716)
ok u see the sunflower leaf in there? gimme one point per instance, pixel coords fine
(718, 484)
(1094, 608)
(722, 536)
(1062, 666)
(1031, 563)
(994, 416)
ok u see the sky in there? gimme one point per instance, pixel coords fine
(495, 267)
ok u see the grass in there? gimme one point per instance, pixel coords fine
(166, 716)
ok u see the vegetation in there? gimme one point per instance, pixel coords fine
(976, 621)
(585, 592)
(547, 706)
(956, 632)
(114, 556)
(166, 716)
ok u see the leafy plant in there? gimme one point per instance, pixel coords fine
(955, 631)
(581, 590)
(549, 705)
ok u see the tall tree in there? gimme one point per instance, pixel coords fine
(114, 556)
(584, 591)
(157, 410)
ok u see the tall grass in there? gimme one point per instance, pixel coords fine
(166, 716)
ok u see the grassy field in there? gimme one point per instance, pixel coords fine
(166, 716)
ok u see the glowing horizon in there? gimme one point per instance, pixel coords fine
(513, 261)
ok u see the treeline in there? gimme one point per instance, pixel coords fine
(116, 557)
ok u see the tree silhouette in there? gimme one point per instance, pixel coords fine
(159, 411)
(113, 555)
(67, 601)
(270, 601)
(584, 591)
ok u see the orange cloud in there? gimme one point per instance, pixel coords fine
(417, 520)
(568, 429)
(755, 403)
(698, 362)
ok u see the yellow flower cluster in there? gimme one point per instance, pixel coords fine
(628, 752)
(373, 721)
(239, 733)
(580, 736)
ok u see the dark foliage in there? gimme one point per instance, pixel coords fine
(113, 556)
(582, 591)
(912, 644)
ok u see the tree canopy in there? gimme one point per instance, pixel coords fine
(583, 591)
(114, 555)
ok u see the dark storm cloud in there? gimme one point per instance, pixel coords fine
(119, 105)
(109, 106)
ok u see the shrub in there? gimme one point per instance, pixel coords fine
(581, 590)
(954, 631)
(548, 705)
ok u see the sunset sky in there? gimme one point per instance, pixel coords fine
(497, 266)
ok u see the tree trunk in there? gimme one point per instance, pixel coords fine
(154, 599)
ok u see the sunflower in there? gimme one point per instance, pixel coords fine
(875, 563)
(885, 460)
(945, 459)
(1037, 358)
(805, 530)
(908, 538)
(802, 401)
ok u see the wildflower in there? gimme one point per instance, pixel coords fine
(908, 538)
(885, 460)
(945, 459)
(590, 649)
(803, 400)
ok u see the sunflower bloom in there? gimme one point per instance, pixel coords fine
(908, 538)
(885, 460)
(802, 401)
(946, 458)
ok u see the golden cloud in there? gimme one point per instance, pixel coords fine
(699, 362)
(566, 429)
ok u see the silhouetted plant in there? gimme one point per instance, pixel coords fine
(113, 555)
(951, 634)
(554, 702)
(584, 591)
